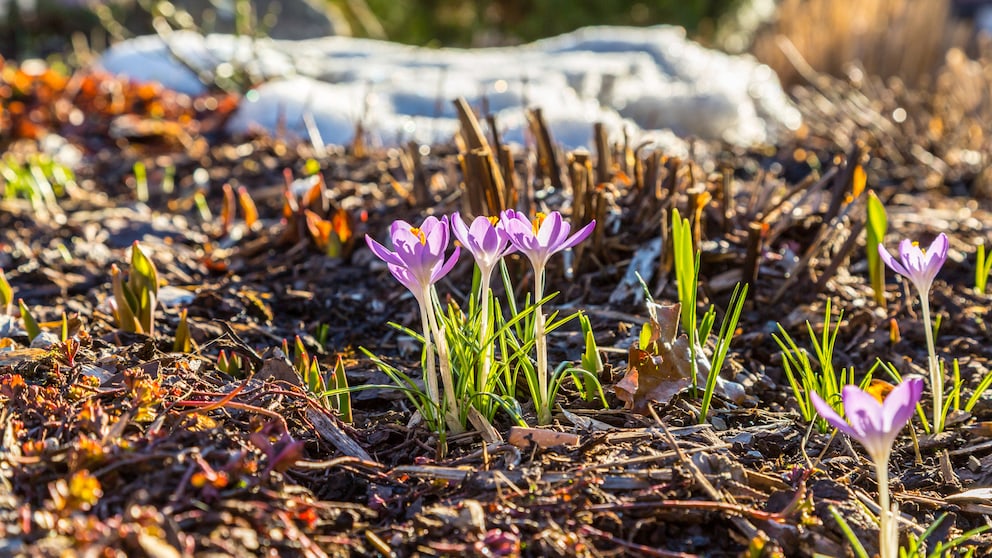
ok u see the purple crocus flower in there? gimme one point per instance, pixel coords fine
(920, 267)
(876, 425)
(539, 240)
(418, 261)
(915, 264)
(484, 238)
(544, 237)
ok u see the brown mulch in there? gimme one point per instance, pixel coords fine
(125, 447)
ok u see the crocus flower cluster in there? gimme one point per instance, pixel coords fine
(418, 262)
(921, 267)
(876, 426)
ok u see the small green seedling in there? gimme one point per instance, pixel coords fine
(686, 277)
(30, 324)
(232, 365)
(135, 301)
(878, 224)
(591, 362)
(184, 342)
(6, 294)
(332, 390)
(983, 266)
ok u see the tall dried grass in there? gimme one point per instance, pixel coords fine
(903, 38)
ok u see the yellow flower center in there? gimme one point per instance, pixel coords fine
(538, 220)
(916, 244)
(419, 234)
(493, 220)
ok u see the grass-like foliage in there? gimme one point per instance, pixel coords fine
(916, 544)
(39, 179)
(820, 378)
(722, 343)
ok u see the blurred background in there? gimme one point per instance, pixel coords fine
(908, 39)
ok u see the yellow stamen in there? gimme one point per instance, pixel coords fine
(493, 220)
(538, 220)
(419, 234)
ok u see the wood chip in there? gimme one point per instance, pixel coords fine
(544, 438)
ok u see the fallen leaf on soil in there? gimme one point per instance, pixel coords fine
(662, 368)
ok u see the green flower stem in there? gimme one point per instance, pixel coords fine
(936, 378)
(483, 379)
(541, 344)
(888, 546)
(430, 375)
(449, 404)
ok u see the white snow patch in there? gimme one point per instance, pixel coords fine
(632, 79)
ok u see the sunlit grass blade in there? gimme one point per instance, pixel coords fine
(727, 329)
(983, 266)
(979, 390)
(183, 342)
(591, 361)
(686, 276)
(893, 373)
(30, 324)
(875, 231)
(852, 539)
(6, 294)
(339, 381)
(64, 328)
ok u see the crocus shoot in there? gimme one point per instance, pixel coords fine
(539, 240)
(488, 243)
(418, 263)
(920, 267)
(876, 425)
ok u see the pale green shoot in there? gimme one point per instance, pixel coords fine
(184, 341)
(876, 228)
(330, 390)
(6, 294)
(856, 546)
(591, 362)
(232, 365)
(686, 277)
(917, 543)
(983, 266)
(140, 181)
(135, 301)
(30, 324)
